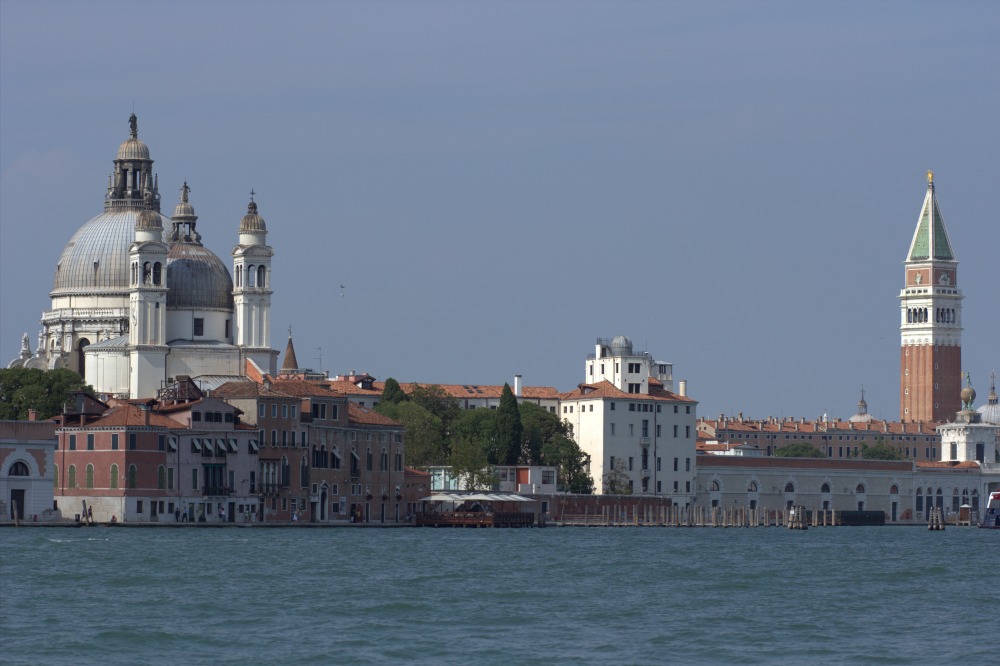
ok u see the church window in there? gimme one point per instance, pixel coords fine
(157, 272)
(251, 275)
(789, 487)
(147, 273)
(114, 477)
(18, 469)
(199, 326)
(261, 276)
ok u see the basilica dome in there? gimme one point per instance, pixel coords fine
(95, 260)
(197, 279)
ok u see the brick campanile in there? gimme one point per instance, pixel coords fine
(930, 357)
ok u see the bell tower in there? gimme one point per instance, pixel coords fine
(930, 370)
(252, 290)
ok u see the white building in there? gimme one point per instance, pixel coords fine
(637, 432)
(137, 299)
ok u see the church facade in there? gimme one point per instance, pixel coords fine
(138, 301)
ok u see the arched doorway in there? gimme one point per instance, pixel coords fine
(323, 501)
(80, 366)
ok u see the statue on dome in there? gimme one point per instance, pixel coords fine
(133, 124)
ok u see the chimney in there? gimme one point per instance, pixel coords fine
(682, 388)
(517, 386)
(32, 414)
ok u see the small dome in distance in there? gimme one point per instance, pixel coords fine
(132, 148)
(621, 346)
(252, 222)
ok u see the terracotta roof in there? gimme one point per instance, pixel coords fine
(361, 415)
(949, 464)
(235, 390)
(129, 415)
(409, 471)
(605, 389)
(303, 388)
(463, 391)
(347, 387)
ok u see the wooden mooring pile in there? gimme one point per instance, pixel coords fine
(702, 516)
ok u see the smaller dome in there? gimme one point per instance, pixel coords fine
(184, 209)
(198, 279)
(133, 149)
(148, 219)
(990, 412)
(621, 346)
(252, 223)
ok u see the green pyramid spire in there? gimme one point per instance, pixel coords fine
(930, 241)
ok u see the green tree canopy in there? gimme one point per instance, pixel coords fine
(425, 441)
(22, 389)
(880, 451)
(509, 429)
(798, 450)
(549, 441)
(469, 465)
(437, 402)
(392, 393)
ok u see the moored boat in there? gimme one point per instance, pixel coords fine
(991, 516)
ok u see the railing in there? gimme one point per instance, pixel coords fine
(217, 491)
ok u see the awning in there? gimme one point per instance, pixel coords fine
(221, 444)
(172, 443)
(195, 444)
(253, 446)
(476, 497)
(233, 448)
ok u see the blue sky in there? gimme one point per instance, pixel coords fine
(733, 185)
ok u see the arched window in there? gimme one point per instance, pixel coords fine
(251, 275)
(825, 488)
(131, 476)
(72, 476)
(975, 499)
(161, 478)
(860, 489)
(286, 471)
(334, 459)
(894, 490)
(19, 469)
(368, 460)
(90, 476)
(789, 488)
(384, 461)
(261, 276)
(752, 487)
(157, 273)
(114, 477)
(399, 461)
(304, 472)
(147, 273)
(714, 486)
(239, 276)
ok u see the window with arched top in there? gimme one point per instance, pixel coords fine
(860, 489)
(114, 477)
(714, 486)
(752, 487)
(72, 476)
(825, 488)
(251, 275)
(368, 460)
(90, 476)
(19, 469)
(157, 273)
(261, 276)
(894, 490)
(789, 487)
(132, 474)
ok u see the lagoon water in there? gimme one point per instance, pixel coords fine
(568, 595)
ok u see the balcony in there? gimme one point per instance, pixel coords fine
(217, 491)
(645, 473)
(644, 442)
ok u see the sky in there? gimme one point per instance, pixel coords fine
(733, 185)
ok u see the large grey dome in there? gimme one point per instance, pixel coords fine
(133, 149)
(197, 279)
(96, 258)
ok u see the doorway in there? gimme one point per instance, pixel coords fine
(17, 503)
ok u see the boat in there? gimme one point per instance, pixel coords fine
(991, 516)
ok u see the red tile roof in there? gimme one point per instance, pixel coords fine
(129, 415)
(605, 389)
(361, 415)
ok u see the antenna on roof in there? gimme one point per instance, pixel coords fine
(319, 357)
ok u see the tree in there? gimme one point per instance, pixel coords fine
(798, 450)
(437, 402)
(425, 442)
(392, 393)
(469, 465)
(616, 480)
(547, 440)
(509, 428)
(479, 426)
(880, 451)
(46, 391)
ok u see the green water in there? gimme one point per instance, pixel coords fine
(583, 595)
